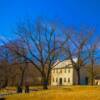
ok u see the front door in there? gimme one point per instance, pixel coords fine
(86, 80)
(60, 81)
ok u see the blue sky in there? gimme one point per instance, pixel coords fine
(70, 12)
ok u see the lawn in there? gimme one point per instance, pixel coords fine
(61, 93)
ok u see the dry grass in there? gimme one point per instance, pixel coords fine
(61, 93)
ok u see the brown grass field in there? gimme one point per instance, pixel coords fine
(61, 93)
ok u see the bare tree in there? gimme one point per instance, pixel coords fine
(40, 42)
(75, 48)
(92, 50)
(23, 64)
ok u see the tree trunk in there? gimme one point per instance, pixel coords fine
(22, 79)
(22, 76)
(45, 83)
(45, 86)
(20, 85)
(78, 76)
(92, 76)
(92, 81)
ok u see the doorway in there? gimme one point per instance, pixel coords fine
(60, 81)
(86, 80)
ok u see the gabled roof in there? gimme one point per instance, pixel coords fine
(63, 64)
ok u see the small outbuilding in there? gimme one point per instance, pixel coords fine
(97, 80)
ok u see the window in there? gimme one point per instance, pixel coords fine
(68, 80)
(53, 79)
(68, 70)
(61, 71)
(54, 71)
(65, 70)
(56, 79)
(64, 79)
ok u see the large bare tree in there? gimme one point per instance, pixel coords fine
(75, 48)
(40, 41)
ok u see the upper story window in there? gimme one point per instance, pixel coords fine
(68, 70)
(60, 70)
(54, 71)
(65, 70)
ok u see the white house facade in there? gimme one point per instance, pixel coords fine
(64, 74)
